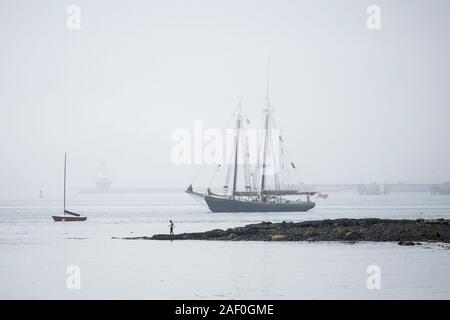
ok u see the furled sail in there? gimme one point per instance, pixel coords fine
(72, 213)
(273, 193)
(286, 192)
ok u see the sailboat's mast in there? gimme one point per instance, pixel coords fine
(266, 137)
(65, 160)
(266, 129)
(267, 80)
(236, 151)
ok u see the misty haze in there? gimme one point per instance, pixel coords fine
(355, 105)
(224, 149)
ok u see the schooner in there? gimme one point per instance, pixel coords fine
(276, 191)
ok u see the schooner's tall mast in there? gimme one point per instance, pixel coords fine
(236, 151)
(65, 160)
(266, 129)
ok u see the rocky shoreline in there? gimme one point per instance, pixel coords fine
(405, 232)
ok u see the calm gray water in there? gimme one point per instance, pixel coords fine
(35, 251)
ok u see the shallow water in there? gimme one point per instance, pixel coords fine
(35, 251)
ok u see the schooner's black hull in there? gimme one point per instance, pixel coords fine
(229, 205)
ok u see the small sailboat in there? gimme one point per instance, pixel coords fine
(41, 194)
(68, 215)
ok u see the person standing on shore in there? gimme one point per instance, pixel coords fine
(172, 226)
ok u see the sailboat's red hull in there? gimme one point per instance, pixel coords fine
(68, 218)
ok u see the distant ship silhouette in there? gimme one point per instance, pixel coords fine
(103, 180)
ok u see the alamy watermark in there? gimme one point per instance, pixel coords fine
(214, 146)
(73, 281)
(374, 280)
(374, 17)
(73, 21)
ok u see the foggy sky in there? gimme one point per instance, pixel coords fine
(355, 105)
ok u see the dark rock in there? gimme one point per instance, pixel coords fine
(279, 237)
(231, 236)
(403, 231)
(160, 237)
(311, 233)
(352, 235)
(215, 233)
(341, 233)
(406, 243)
